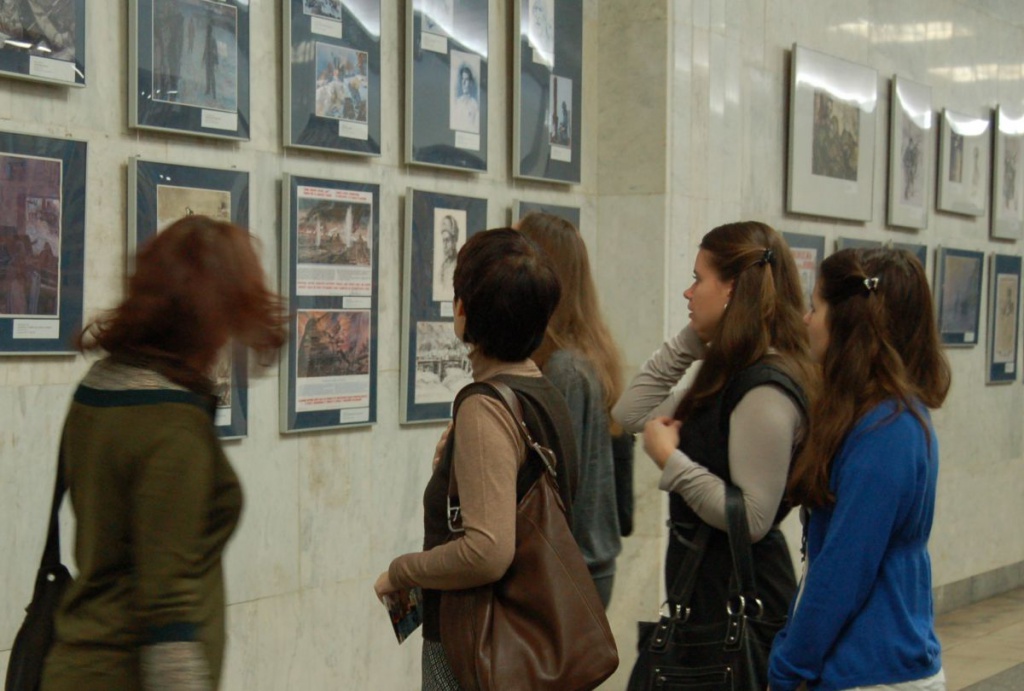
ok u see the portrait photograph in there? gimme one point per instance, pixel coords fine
(464, 99)
(335, 233)
(1007, 181)
(40, 27)
(449, 237)
(342, 83)
(964, 162)
(30, 236)
(195, 53)
(560, 107)
(541, 31)
(832, 122)
(328, 9)
(332, 343)
(959, 295)
(438, 16)
(174, 202)
(442, 363)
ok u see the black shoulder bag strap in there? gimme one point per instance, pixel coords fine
(51, 553)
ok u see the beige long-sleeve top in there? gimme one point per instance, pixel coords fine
(487, 456)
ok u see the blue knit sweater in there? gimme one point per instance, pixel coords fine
(864, 613)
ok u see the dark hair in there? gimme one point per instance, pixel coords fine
(882, 336)
(765, 311)
(577, 322)
(472, 80)
(509, 290)
(196, 285)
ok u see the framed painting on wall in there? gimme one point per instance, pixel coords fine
(964, 148)
(1007, 178)
(958, 276)
(911, 143)
(43, 41)
(435, 363)
(332, 80)
(329, 275)
(42, 243)
(1003, 318)
(547, 81)
(188, 67)
(446, 84)
(832, 114)
(158, 195)
(807, 251)
(570, 213)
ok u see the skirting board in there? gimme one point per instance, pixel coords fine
(976, 588)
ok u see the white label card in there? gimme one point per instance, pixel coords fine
(357, 303)
(968, 336)
(219, 120)
(561, 153)
(347, 415)
(325, 27)
(36, 328)
(467, 140)
(353, 130)
(48, 68)
(1009, 368)
(447, 309)
(433, 42)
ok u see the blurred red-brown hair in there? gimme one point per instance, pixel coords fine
(196, 285)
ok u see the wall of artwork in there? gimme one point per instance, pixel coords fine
(684, 126)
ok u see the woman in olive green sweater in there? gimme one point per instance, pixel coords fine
(154, 496)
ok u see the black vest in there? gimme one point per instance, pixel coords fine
(547, 417)
(704, 438)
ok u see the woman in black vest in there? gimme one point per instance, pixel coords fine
(741, 419)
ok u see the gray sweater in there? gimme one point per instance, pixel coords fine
(595, 517)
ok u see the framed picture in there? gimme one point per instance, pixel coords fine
(329, 275)
(547, 101)
(1003, 318)
(43, 41)
(832, 112)
(188, 67)
(807, 251)
(446, 83)
(158, 195)
(1007, 184)
(964, 147)
(918, 250)
(911, 144)
(958, 295)
(435, 363)
(570, 213)
(42, 243)
(332, 75)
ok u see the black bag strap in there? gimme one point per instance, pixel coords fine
(51, 553)
(739, 542)
(682, 587)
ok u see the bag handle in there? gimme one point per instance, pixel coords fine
(51, 553)
(739, 545)
(686, 579)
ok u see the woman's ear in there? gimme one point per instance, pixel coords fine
(459, 308)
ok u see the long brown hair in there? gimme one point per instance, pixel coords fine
(765, 311)
(196, 285)
(577, 323)
(883, 345)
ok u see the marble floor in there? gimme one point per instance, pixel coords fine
(982, 642)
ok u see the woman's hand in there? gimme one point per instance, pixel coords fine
(439, 450)
(661, 438)
(383, 586)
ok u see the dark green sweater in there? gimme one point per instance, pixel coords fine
(155, 502)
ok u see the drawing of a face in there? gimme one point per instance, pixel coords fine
(449, 237)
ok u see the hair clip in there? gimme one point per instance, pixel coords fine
(767, 258)
(871, 284)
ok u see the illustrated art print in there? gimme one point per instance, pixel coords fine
(964, 163)
(1004, 318)
(959, 295)
(1007, 178)
(43, 40)
(911, 143)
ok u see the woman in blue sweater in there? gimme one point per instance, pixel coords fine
(867, 474)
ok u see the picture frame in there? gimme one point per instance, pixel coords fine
(160, 193)
(832, 122)
(964, 163)
(911, 146)
(44, 44)
(1003, 319)
(435, 363)
(918, 250)
(42, 243)
(332, 76)
(330, 263)
(192, 75)
(570, 213)
(1007, 177)
(807, 251)
(547, 97)
(844, 243)
(446, 113)
(957, 287)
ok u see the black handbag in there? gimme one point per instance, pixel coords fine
(729, 655)
(35, 637)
